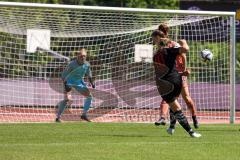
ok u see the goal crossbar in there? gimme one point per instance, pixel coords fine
(117, 9)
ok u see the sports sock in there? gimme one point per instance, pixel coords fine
(61, 107)
(87, 104)
(173, 120)
(194, 118)
(183, 121)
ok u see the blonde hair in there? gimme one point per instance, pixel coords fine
(82, 50)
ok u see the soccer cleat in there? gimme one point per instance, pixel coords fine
(170, 131)
(161, 121)
(195, 135)
(58, 120)
(85, 118)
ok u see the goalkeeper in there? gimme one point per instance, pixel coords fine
(72, 77)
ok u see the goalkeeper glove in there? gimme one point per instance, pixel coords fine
(93, 85)
(66, 87)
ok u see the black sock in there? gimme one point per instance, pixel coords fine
(183, 121)
(194, 118)
(173, 120)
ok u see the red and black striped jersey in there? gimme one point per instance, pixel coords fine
(165, 61)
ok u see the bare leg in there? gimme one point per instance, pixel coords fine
(190, 104)
(163, 113)
(163, 109)
(188, 100)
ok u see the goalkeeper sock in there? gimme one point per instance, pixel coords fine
(183, 121)
(87, 104)
(61, 107)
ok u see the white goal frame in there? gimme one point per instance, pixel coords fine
(138, 10)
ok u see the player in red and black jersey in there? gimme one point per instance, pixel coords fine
(184, 72)
(168, 80)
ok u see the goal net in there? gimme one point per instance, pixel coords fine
(37, 41)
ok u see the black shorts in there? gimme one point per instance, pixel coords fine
(176, 84)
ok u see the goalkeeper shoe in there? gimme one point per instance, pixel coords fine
(170, 130)
(85, 118)
(58, 120)
(161, 121)
(195, 134)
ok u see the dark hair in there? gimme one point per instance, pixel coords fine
(158, 33)
(164, 28)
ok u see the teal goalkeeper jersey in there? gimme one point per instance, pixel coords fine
(75, 72)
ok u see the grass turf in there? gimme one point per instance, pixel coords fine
(116, 141)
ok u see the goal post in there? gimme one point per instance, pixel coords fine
(38, 40)
(233, 69)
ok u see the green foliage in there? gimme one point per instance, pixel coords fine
(238, 63)
(34, 1)
(217, 70)
(38, 57)
(11, 54)
(11, 44)
(160, 4)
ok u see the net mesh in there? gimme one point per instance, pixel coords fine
(125, 90)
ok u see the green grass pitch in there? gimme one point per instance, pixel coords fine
(116, 141)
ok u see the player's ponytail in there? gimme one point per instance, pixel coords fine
(164, 28)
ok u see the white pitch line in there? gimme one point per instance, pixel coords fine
(116, 143)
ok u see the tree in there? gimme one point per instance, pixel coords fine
(160, 4)
(34, 1)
